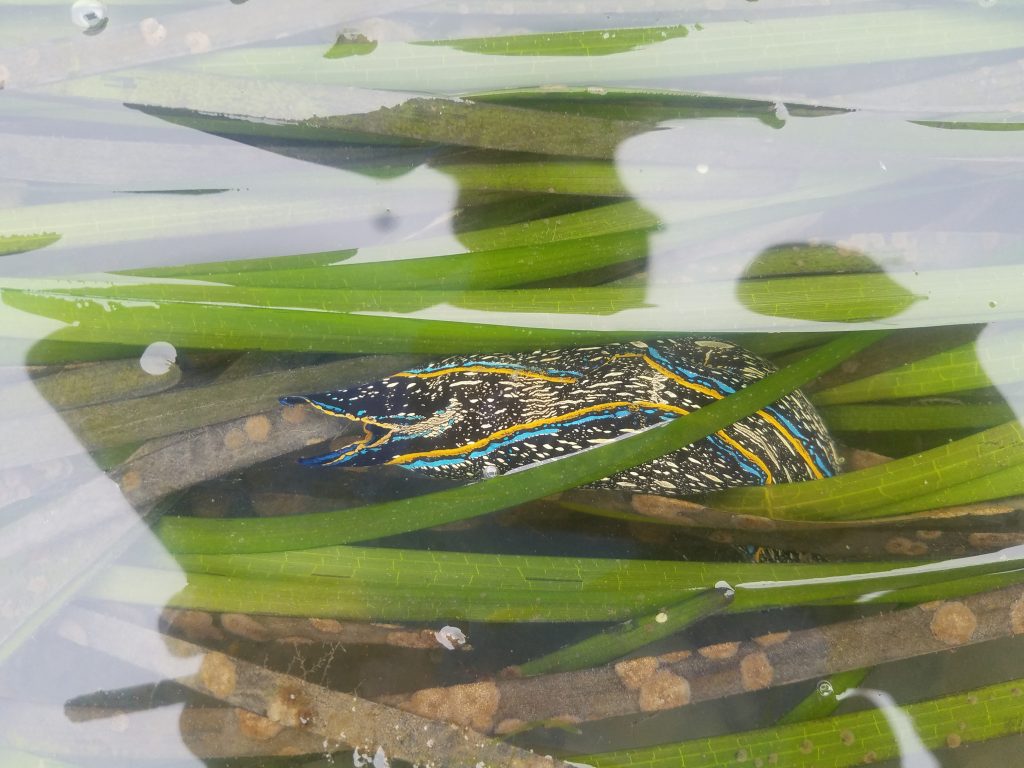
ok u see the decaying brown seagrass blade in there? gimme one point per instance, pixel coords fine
(341, 719)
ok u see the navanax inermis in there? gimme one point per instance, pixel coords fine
(473, 417)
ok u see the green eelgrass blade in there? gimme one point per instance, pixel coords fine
(996, 358)
(584, 178)
(868, 296)
(625, 638)
(604, 220)
(351, 45)
(162, 294)
(844, 740)
(433, 121)
(497, 268)
(952, 588)
(360, 321)
(824, 700)
(489, 126)
(375, 521)
(389, 584)
(648, 104)
(991, 485)
(1008, 124)
(871, 493)
(719, 48)
(20, 243)
(234, 327)
(498, 256)
(224, 271)
(596, 42)
(241, 317)
(915, 418)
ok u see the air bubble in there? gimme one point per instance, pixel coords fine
(90, 16)
(158, 358)
(489, 471)
(825, 689)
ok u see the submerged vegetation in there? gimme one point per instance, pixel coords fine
(548, 186)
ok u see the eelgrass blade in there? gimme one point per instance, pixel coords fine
(995, 358)
(233, 327)
(244, 317)
(225, 271)
(824, 700)
(619, 217)
(596, 42)
(649, 104)
(875, 492)
(490, 126)
(20, 243)
(496, 268)
(596, 300)
(915, 418)
(962, 718)
(385, 584)
(987, 486)
(351, 44)
(1006, 124)
(625, 638)
(375, 521)
(719, 48)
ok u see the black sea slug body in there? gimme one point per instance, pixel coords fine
(473, 417)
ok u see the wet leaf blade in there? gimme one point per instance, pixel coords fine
(392, 584)
(722, 47)
(818, 704)
(622, 639)
(820, 742)
(10, 244)
(959, 369)
(238, 317)
(897, 485)
(915, 418)
(597, 42)
(480, 270)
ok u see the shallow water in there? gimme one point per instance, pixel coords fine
(779, 175)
